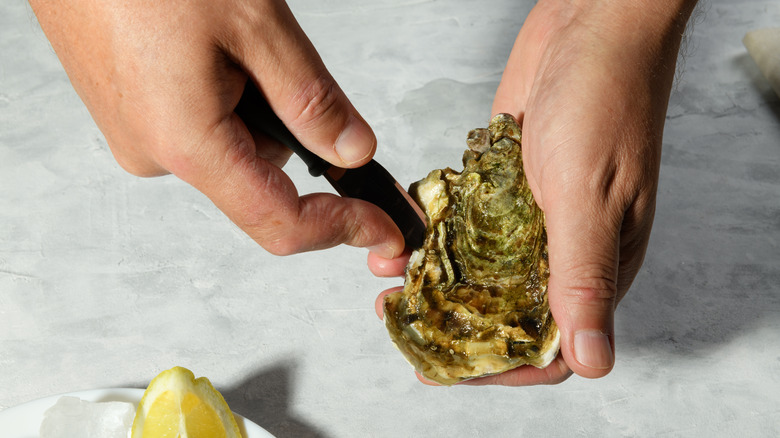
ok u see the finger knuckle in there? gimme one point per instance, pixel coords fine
(135, 163)
(282, 247)
(133, 167)
(195, 158)
(359, 227)
(354, 229)
(276, 234)
(559, 373)
(315, 103)
(602, 295)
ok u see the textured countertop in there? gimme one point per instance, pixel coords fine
(106, 279)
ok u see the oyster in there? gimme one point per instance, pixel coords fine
(475, 295)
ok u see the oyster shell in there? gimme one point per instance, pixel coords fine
(475, 295)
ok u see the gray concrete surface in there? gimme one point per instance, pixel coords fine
(107, 279)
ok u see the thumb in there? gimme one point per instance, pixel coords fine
(287, 69)
(583, 245)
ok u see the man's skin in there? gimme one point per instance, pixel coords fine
(589, 80)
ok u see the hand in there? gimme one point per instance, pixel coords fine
(590, 84)
(161, 80)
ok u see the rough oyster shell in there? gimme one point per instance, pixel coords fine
(475, 296)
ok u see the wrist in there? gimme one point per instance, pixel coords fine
(643, 36)
(646, 21)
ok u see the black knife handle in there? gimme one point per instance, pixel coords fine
(399, 208)
(382, 191)
(257, 114)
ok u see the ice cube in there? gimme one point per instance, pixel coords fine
(72, 417)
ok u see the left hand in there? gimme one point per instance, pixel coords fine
(590, 86)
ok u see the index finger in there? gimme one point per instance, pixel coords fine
(262, 200)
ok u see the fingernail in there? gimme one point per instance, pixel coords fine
(356, 141)
(592, 349)
(383, 250)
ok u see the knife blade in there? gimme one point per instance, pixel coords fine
(370, 182)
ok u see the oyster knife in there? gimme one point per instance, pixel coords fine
(370, 182)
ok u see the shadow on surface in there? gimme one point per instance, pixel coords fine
(264, 398)
(711, 279)
(694, 308)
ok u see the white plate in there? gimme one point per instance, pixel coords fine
(23, 421)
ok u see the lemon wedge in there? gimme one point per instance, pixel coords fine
(177, 405)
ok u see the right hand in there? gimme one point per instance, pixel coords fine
(162, 80)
